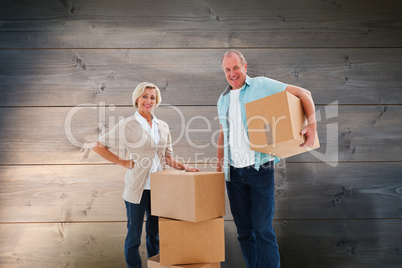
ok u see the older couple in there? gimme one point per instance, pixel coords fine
(249, 175)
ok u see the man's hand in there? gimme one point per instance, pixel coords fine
(310, 132)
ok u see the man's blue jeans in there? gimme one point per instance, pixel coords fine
(252, 202)
(135, 219)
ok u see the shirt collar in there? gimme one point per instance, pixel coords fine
(142, 120)
(229, 87)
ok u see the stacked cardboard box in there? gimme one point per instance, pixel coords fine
(274, 125)
(154, 262)
(191, 206)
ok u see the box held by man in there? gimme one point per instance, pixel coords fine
(274, 125)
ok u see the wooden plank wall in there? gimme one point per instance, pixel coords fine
(67, 72)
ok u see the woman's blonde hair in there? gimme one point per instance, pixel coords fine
(139, 90)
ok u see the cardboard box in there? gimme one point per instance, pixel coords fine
(188, 196)
(183, 242)
(274, 125)
(154, 262)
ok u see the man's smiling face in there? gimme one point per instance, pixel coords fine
(234, 70)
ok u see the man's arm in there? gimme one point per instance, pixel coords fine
(220, 151)
(309, 109)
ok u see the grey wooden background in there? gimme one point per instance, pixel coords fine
(67, 72)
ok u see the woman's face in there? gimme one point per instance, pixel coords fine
(146, 102)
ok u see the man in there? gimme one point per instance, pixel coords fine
(249, 174)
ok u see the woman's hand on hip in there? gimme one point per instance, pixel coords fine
(127, 163)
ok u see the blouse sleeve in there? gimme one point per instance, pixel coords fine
(114, 140)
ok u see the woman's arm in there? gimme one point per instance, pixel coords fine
(177, 165)
(100, 149)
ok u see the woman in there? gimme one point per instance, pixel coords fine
(148, 143)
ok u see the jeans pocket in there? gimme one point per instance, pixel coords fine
(267, 165)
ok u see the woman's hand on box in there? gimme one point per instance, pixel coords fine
(191, 169)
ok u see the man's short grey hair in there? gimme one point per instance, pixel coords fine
(238, 53)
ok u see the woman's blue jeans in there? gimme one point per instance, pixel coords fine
(252, 202)
(135, 220)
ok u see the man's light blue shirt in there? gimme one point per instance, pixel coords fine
(254, 89)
